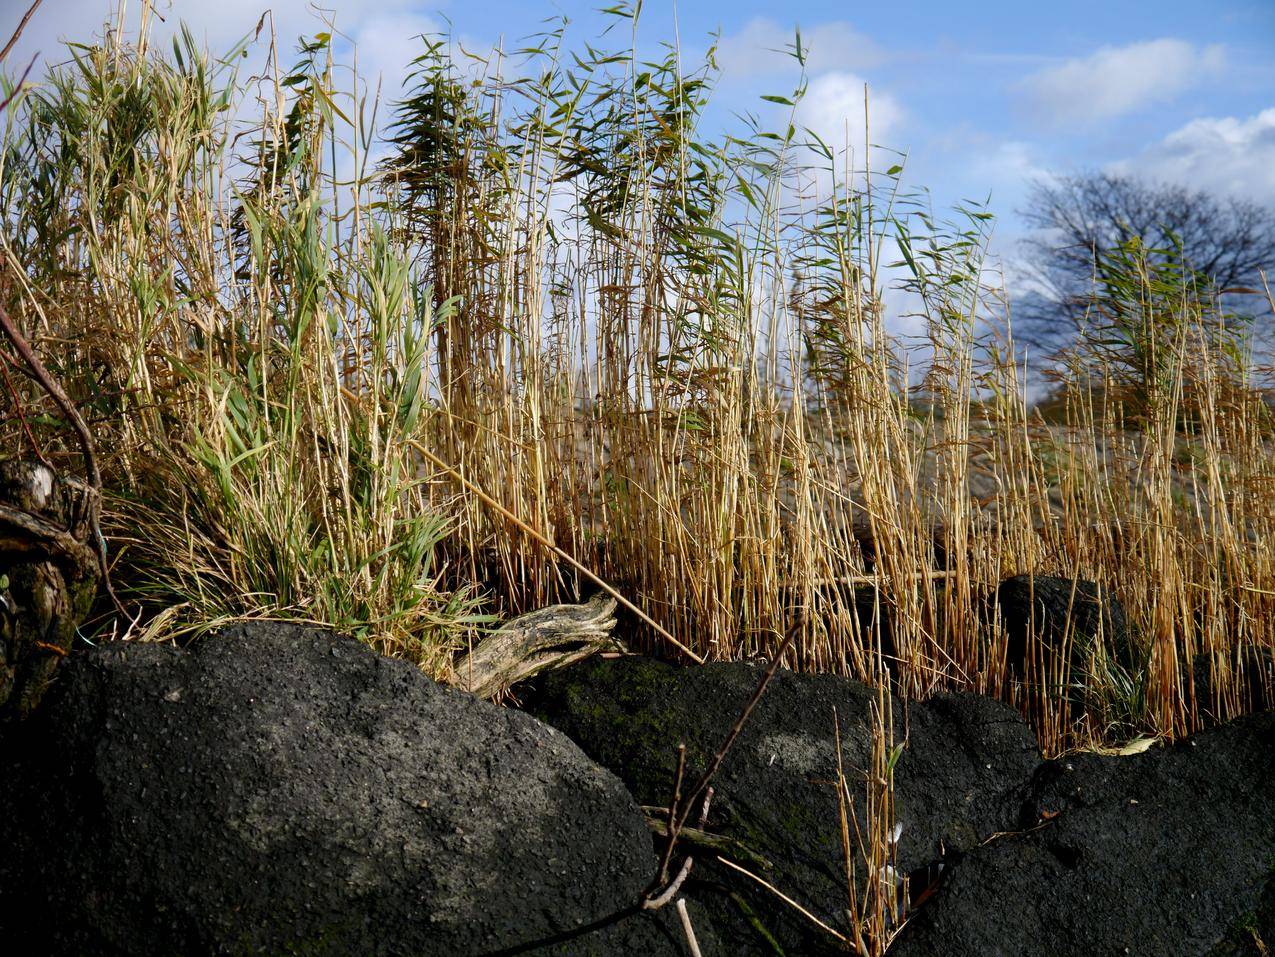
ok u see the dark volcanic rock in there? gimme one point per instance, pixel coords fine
(1251, 673)
(1049, 609)
(281, 790)
(959, 778)
(1170, 852)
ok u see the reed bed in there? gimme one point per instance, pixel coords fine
(320, 338)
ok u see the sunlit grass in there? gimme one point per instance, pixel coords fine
(667, 352)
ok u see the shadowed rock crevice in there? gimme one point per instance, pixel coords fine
(1169, 852)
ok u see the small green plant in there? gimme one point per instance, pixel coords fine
(1148, 309)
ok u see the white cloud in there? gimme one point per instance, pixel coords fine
(762, 49)
(387, 42)
(982, 163)
(1116, 81)
(833, 108)
(385, 31)
(1224, 154)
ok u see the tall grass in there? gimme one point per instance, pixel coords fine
(666, 351)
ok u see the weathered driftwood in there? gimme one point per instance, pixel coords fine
(546, 638)
(48, 577)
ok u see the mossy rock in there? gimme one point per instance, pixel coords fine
(962, 764)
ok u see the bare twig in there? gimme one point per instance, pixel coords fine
(655, 903)
(4, 104)
(691, 943)
(678, 820)
(17, 34)
(785, 898)
(659, 900)
(661, 874)
(699, 840)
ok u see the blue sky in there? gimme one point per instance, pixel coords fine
(984, 97)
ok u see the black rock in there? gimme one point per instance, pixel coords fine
(959, 777)
(281, 790)
(1252, 674)
(1047, 610)
(1170, 852)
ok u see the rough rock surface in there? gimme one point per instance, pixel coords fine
(959, 778)
(280, 790)
(1170, 852)
(1050, 609)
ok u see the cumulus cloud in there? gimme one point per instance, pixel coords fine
(1115, 81)
(1007, 163)
(833, 109)
(384, 31)
(1227, 154)
(763, 49)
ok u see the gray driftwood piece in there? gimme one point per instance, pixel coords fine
(48, 577)
(546, 638)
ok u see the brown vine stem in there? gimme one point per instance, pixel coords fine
(22, 25)
(55, 391)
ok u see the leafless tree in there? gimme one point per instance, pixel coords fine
(1077, 219)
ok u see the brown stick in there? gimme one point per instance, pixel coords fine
(785, 898)
(524, 527)
(56, 392)
(655, 903)
(4, 104)
(22, 25)
(691, 943)
(688, 802)
(673, 805)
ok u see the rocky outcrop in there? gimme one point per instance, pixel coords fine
(959, 777)
(281, 790)
(1169, 853)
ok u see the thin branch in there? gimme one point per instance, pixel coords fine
(661, 874)
(4, 104)
(786, 899)
(677, 820)
(689, 801)
(22, 25)
(59, 396)
(655, 903)
(691, 943)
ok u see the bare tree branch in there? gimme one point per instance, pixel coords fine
(1080, 218)
(51, 385)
